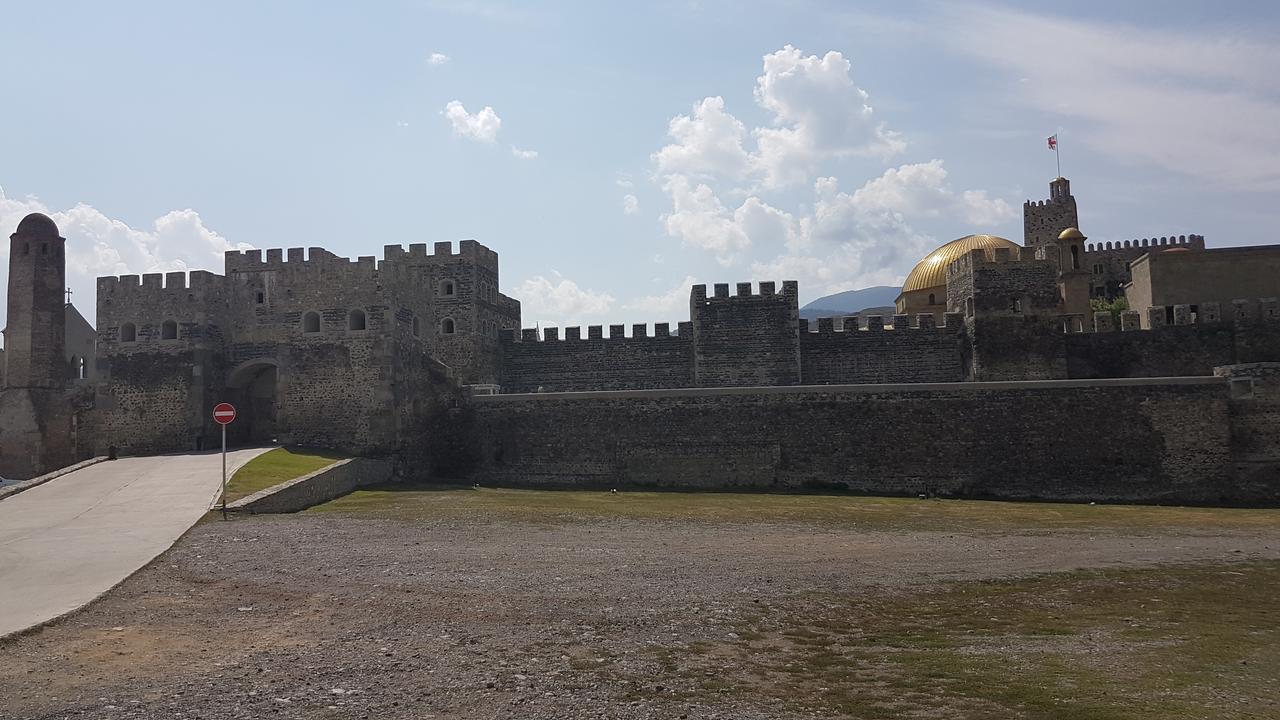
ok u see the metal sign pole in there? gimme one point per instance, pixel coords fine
(224, 472)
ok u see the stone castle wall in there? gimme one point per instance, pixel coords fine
(747, 339)
(1166, 440)
(903, 353)
(597, 362)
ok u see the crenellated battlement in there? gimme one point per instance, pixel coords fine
(246, 261)
(153, 283)
(1191, 242)
(572, 334)
(850, 325)
(468, 250)
(720, 291)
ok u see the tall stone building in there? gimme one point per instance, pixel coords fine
(39, 422)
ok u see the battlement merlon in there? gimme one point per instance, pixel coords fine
(468, 250)
(246, 261)
(639, 331)
(1191, 242)
(790, 289)
(152, 283)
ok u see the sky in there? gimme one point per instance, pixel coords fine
(614, 154)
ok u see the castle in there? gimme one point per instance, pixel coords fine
(379, 356)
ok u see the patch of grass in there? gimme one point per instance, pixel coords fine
(277, 466)
(1178, 642)
(864, 513)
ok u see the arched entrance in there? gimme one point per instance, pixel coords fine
(253, 390)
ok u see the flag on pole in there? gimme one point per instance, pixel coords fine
(1053, 141)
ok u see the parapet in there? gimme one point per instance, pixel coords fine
(639, 331)
(247, 261)
(790, 288)
(1191, 242)
(197, 281)
(442, 252)
(848, 326)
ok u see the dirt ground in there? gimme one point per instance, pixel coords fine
(454, 608)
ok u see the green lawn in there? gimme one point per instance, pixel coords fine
(276, 466)
(866, 513)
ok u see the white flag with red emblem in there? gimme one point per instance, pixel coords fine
(1053, 142)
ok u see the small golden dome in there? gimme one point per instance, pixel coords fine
(1071, 234)
(931, 272)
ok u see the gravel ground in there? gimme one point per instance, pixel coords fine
(332, 616)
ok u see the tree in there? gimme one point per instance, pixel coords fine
(1115, 307)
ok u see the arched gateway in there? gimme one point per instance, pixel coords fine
(252, 385)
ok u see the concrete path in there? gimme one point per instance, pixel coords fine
(66, 542)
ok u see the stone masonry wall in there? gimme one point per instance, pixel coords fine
(748, 339)
(596, 362)
(922, 353)
(1166, 441)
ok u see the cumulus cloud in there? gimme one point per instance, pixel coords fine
(481, 126)
(630, 205)
(523, 154)
(100, 245)
(559, 301)
(871, 236)
(438, 58)
(708, 144)
(817, 114)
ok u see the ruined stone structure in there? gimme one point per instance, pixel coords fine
(994, 358)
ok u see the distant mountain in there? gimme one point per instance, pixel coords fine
(852, 302)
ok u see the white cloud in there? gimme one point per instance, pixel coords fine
(870, 236)
(819, 114)
(630, 205)
(99, 245)
(673, 303)
(1197, 102)
(559, 301)
(523, 154)
(708, 144)
(482, 126)
(698, 218)
(438, 58)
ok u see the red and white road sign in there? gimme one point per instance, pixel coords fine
(224, 413)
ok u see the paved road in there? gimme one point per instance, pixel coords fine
(66, 542)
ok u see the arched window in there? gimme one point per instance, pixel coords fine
(82, 370)
(415, 326)
(447, 326)
(932, 300)
(355, 321)
(1075, 257)
(128, 332)
(448, 288)
(311, 322)
(169, 330)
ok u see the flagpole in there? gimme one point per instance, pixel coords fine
(1056, 157)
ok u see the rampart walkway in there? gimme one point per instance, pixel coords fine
(66, 542)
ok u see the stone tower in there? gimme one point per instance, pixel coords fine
(37, 417)
(36, 335)
(1044, 220)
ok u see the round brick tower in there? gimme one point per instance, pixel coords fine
(34, 340)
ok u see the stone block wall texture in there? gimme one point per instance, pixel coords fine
(877, 355)
(1166, 441)
(596, 363)
(319, 487)
(1043, 220)
(1255, 427)
(746, 339)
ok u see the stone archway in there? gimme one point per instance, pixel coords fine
(252, 385)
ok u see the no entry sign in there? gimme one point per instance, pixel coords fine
(224, 413)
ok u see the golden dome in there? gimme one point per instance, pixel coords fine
(1071, 234)
(931, 272)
